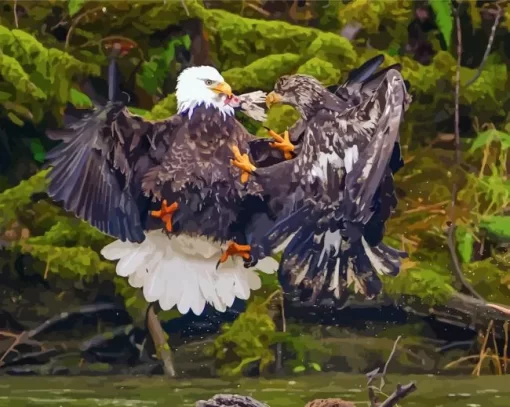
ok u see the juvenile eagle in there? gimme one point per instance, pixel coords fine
(338, 192)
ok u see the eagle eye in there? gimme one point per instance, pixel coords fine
(208, 82)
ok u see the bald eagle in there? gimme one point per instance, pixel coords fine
(132, 178)
(338, 191)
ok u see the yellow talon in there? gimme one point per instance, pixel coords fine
(242, 161)
(282, 143)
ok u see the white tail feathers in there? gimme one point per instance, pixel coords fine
(180, 271)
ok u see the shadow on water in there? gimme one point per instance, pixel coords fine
(433, 391)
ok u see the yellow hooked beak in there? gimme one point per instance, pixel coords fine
(223, 87)
(272, 99)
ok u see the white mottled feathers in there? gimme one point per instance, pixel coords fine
(180, 272)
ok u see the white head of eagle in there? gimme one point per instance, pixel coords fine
(203, 85)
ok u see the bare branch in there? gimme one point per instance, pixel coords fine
(16, 13)
(375, 374)
(399, 394)
(76, 21)
(160, 343)
(489, 46)
(451, 230)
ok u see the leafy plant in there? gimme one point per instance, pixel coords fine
(444, 18)
(154, 71)
(247, 340)
(75, 5)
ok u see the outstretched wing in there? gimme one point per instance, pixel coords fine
(363, 182)
(336, 235)
(97, 169)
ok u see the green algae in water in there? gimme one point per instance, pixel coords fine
(433, 391)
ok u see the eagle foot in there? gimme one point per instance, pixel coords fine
(234, 249)
(166, 213)
(242, 161)
(282, 143)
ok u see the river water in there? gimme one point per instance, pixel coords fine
(433, 391)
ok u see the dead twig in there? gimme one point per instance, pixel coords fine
(15, 8)
(375, 373)
(430, 207)
(451, 230)
(76, 21)
(499, 13)
(27, 337)
(183, 2)
(505, 348)
(399, 394)
(483, 351)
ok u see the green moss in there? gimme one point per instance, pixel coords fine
(279, 119)
(68, 262)
(15, 199)
(245, 341)
(37, 72)
(71, 232)
(165, 108)
(333, 48)
(490, 280)
(371, 13)
(262, 73)
(322, 70)
(428, 279)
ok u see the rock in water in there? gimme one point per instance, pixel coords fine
(230, 400)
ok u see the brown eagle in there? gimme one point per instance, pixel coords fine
(338, 192)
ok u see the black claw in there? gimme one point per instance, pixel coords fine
(251, 262)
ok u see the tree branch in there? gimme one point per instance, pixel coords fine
(457, 268)
(16, 13)
(489, 47)
(26, 337)
(160, 343)
(399, 394)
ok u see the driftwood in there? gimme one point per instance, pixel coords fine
(459, 310)
(27, 337)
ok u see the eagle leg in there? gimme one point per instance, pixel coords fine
(242, 161)
(234, 249)
(166, 213)
(282, 143)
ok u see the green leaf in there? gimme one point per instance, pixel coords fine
(154, 72)
(15, 119)
(38, 151)
(299, 369)
(497, 225)
(444, 18)
(74, 6)
(79, 99)
(186, 41)
(465, 241)
(138, 111)
(4, 96)
(486, 137)
(316, 367)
